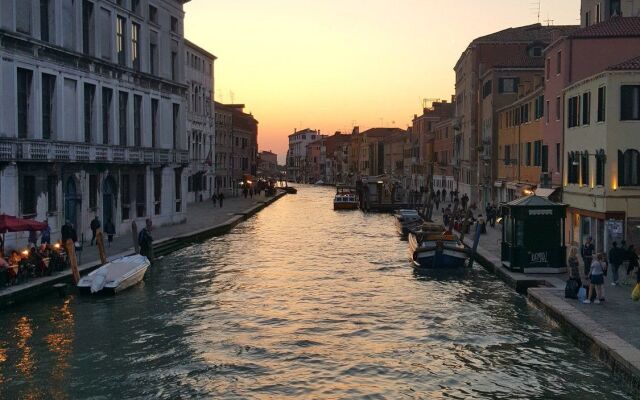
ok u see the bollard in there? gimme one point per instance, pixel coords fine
(70, 247)
(100, 243)
(134, 233)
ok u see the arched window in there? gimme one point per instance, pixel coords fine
(629, 168)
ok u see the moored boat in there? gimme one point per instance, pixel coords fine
(406, 220)
(346, 198)
(432, 247)
(115, 276)
(290, 190)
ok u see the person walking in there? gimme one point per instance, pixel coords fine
(220, 198)
(110, 230)
(632, 256)
(587, 255)
(596, 278)
(616, 256)
(95, 225)
(444, 195)
(33, 239)
(574, 265)
(214, 199)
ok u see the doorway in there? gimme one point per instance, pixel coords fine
(108, 199)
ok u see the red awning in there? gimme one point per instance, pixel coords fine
(10, 223)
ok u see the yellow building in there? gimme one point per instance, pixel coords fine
(521, 155)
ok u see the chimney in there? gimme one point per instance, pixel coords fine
(356, 130)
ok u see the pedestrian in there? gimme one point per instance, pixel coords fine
(220, 198)
(45, 235)
(66, 232)
(110, 230)
(245, 192)
(214, 199)
(145, 240)
(624, 255)
(596, 279)
(33, 238)
(616, 256)
(587, 255)
(446, 216)
(438, 195)
(95, 225)
(456, 204)
(444, 195)
(451, 193)
(465, 201)
(251, 193)
(632, 256)
(437, 200)
(574, 264)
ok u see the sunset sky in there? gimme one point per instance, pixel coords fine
(332, 64)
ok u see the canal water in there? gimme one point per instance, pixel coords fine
(298, 302)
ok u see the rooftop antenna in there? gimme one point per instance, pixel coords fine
(535, 7)
(232, 97)
(548, 21)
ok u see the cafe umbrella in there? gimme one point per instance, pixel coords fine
(9, 223)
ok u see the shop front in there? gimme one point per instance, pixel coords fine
(602, 228)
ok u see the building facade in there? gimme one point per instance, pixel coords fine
(602, 161)
(201, 134)
(244, 130)
(93, 112)
(595, 11)
(268, 165)
(297, 154)
(223, 149)
(443, 177)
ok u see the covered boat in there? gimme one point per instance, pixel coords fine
(346, 199)
(407, 220)
(432, 247)
(116, 276)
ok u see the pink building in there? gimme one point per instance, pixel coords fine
(572, 58)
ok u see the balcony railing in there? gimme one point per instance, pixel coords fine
(47, 151)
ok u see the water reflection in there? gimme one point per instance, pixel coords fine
(299, 302)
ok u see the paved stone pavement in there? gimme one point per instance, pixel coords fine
(617, 314)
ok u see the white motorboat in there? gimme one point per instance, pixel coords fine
(116, 276)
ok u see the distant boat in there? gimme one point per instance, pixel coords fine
(432, 247)
(290, 190)
(116, 276)
(319, 183)
(407, 220)
(346, 198)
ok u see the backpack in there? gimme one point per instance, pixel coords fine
(572, 288)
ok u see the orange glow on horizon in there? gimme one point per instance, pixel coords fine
(333, 64)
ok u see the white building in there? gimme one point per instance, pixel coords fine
(92, 115)
(602, 163)
(201, 133)
(297, 154)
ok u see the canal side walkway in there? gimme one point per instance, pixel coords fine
(203, 222)
(609, 331)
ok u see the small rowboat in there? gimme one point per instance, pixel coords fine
(115, 276)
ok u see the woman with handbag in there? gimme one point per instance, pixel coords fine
(596, 276)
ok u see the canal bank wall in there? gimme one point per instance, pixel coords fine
(39, 287)
(589, 332)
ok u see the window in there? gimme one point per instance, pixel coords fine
(539, 107)
(600, 162)
(28, 196)
(48, 98)
(157, 192)
(527, 154)
(508, 85)
(93, 191)
(107, 98)
(175, 130)
(105, 36)
(153, 52)
(52, 193)
(572, 167)
(602, 103)
(135, 46)
(120, 40)
(141, 195)
(547, 68)
(584, 168)
(537, 153)
(153, 14)
(536, 51)
(558, 157)
(630, 103)
(126, 196)
(137, 120)
(614, 8)
(154, 122)
(547, 111)
(135, 6)
(598, 14)
(558, 108)
(507, 155)
(587, 18)
(46, 20)
(89, 103)
(87, 27)
(573, 112)
(559, 63)
(174, 65)
(486, 89)
(178, 189)
(174, 24)
(23, 16)
(629, 168)
(24, 77)
(545, 158)
(122, 117)
(586, 108)
(68, 23)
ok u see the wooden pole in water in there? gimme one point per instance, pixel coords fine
(70, 247)
(100, 243)
(134, 233)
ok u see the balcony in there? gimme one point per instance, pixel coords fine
(19, 150)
